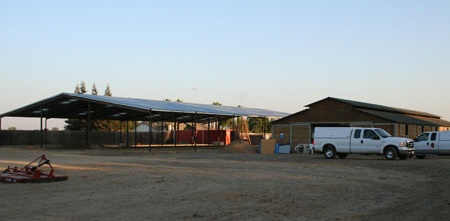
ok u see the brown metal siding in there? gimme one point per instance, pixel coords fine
(300, 135)
(281, 128)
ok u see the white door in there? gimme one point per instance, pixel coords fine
(433, 143)
(356, 141)
(371, 142)
(421, 143)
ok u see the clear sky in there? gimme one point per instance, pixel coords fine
(278, 55)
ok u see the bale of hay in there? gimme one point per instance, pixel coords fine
(239, 146)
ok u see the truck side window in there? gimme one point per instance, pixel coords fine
(370, 134)
(433, 137)
(357, 134)
(423, 137)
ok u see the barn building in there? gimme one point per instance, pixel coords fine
(298, 128)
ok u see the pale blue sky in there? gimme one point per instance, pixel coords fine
(278, 55)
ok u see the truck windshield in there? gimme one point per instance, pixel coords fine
(383, 133)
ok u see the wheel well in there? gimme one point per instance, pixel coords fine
(329, 145)
(384, 150)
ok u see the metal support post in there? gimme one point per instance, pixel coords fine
(192, 130)
(209, 131)
(45, 133)
(0, 130)
(88, 130)
(195, 131)
(120, 132)
(162, 129)
(218, 132)
(264, 128)
(175, 132)
(178, 131)
(150, 131)
(135, 134)
(233, 123)
(128, 130)
(40, 131)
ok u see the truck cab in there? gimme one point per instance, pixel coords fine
(340, 141)
(432, 143)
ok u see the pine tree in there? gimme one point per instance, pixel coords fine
(108, 91)
(83, 88)
(94, 89)
(77, 90)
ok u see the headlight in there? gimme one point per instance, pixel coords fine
(402, 144)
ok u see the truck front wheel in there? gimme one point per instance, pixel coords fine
(390, 153)
(329, 152)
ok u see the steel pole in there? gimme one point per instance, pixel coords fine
(195, 131)
(40, 131)
(150, 131)
(175, 133)
(135, 134)
(264, 128)
(218, 131)
(88, 130)
(209, 131)
(45, 133)
(120, 132)
(1, 130)
(128, 130)
(162, 129)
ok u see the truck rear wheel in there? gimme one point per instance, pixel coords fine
(342, 155)
(329, 152)
(390, 153)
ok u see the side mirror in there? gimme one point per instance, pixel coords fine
(415, 139)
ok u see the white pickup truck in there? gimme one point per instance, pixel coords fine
(437, 143)
(340, 141)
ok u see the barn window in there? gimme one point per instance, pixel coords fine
(406, 129)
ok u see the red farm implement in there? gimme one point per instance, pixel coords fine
(31, 174)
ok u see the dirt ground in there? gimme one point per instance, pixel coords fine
(113, 184)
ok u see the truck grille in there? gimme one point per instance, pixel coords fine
(410, 144)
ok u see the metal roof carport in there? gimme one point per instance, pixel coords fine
(85, 106)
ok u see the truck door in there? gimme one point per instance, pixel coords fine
(433, 143)
(421, 143)
(371, 142)
(355, 141)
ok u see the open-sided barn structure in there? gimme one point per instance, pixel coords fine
(330, 112)
(90, 107)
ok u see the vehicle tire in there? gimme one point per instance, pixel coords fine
(390, 153)
(403, 156)
(420, 156)
(329, 152)
(342, 155)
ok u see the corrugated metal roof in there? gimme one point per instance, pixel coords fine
(405, 119)
(163, 106)
(438, 122)
(380, 107)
